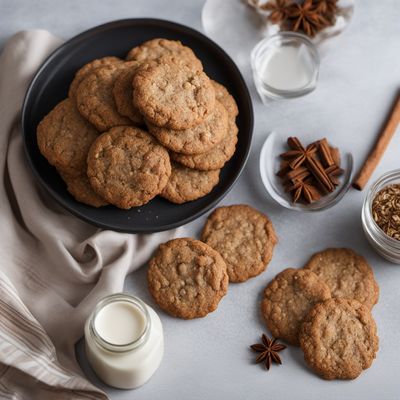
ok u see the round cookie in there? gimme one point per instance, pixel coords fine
(287, 300)
(127, 167)
(347, 274)
(79, 186)
(157, 48)
(123, 95)
(64, 138)
(244, 237)
(227, 100)
(87, 68)
(95, 100)
(214, 158)
(173, 95)
(186, 184)
(339, 339)
(198, 139)
(187, 278)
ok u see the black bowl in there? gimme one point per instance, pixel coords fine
(50, 86)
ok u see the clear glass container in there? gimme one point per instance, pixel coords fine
(384, 245)
(124, 365)
(285, 65)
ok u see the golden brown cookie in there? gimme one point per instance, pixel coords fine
(95, 100)
(156, 48)
(287, 300)
(222, 95)
(87, 68)
(198, 139)
(186, 184)
(173, 95)
(64, 138)
(339, 339)
(79, 186)
(214, 158)
(127, 167)
(244, 237)
(187, 278)
(123, 95)
(347, 274)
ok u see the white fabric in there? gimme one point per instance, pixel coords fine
(59, 266)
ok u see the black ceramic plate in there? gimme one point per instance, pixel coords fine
(50, 86)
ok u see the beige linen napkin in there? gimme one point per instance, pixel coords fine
(53, 267)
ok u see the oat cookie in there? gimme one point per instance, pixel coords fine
(187, 278)
(227, 100)
(79, 186)
(287, 300)
(347, 274)
(198, 139)
(123, 95)
(95, 100)
(64, 138)
(173, 95)
(186, 184)
(339, 339)
(127, 167)
(87, 68)
(156, 48)
(215, 158)
(244, 237)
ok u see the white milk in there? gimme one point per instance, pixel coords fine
(124, 341)
(287, 68)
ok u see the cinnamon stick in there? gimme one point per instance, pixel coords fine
(379, 148)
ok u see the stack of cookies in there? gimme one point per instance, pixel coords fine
(153, 124)
(326, 309)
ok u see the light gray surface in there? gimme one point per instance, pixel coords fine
(209, 358)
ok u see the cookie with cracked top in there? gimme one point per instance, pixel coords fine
(173, 95)
(127, 167)
(244, 237)
(287, 300)
(186, 184)
(339, 339)
(347, 274)
(198, 139)
(64, 138)
(187, 278)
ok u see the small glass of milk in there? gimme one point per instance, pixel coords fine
(285, 65)
(124, 341)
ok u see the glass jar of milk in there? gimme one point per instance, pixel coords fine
(124, 341)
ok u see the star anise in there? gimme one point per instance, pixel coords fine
(268, 350)
(297, 153)
(327, 8)
(305, 189)
(278, 10)
(306, 18)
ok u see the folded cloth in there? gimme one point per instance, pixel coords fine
(54, 267)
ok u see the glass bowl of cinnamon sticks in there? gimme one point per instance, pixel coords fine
(310, 176)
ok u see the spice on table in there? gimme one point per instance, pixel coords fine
(379, 148)
(268, 350)
(310, 172)
(305, 16)
(386, 210)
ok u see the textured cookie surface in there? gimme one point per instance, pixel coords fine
(339, 339)
(64, 138)
(127, 167)
(95, 100)
(186, 184)
(227, 100)
(87, 68)
(79, 186)
(287, 300)
(123, 94)
(244, 237)
(173, 95)
(198, 139)
(157, 48)
(187, 278)
(347, 274)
